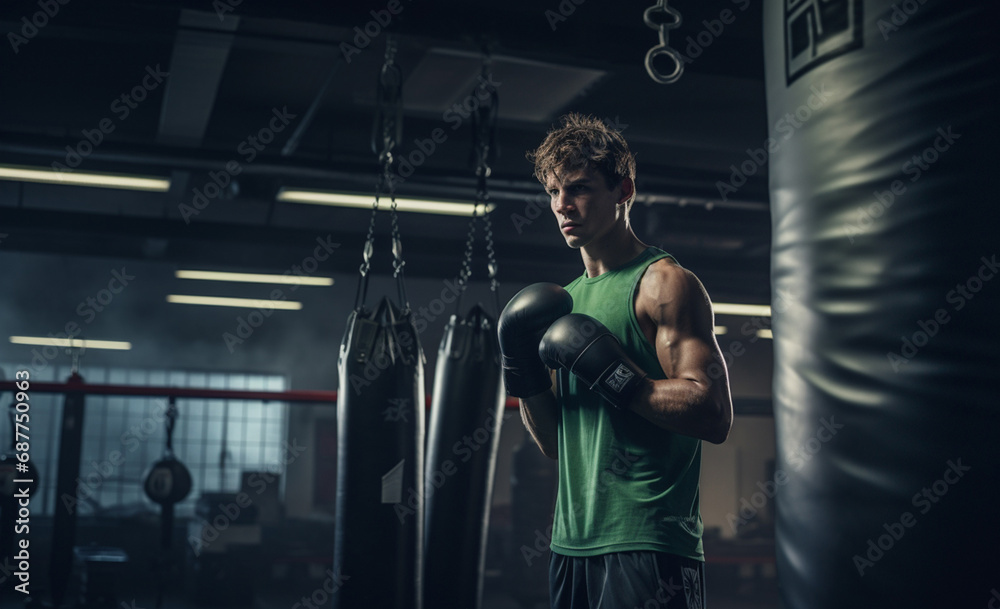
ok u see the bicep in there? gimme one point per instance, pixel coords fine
(685, 338)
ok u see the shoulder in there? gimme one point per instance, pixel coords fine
(667, 291)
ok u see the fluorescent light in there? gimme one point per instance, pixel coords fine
(721, 330)
(725, 308)
(765, 333)
(318, 197)
(248, 303)
(254, 278)
(71, 342)
(79, 178)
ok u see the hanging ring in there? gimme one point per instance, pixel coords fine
(664, 79)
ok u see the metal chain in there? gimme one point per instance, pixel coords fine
(466, 271)
(662, 18)
(386, 134)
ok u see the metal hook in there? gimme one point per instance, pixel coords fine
(664, 48)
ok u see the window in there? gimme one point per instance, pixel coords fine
(215, 439)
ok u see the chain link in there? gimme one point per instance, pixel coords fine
(662, 18)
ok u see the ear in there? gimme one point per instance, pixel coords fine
(628, 190)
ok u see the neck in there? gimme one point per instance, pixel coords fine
(612, 250)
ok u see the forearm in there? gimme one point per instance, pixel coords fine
(686, 407)
(540, 416)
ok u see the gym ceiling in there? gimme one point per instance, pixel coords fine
(237, 68)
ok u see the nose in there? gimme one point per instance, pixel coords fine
(562, 203)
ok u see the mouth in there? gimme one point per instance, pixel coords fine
(568, 227)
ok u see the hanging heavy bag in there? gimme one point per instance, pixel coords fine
(464, 433)
(168, 481)
(380, 434)
(882, 154)
(68, 471)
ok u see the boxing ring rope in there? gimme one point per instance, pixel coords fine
(293, 396)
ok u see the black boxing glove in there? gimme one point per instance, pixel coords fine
(584, 346)
(520, 327)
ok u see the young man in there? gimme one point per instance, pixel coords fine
(632, 396)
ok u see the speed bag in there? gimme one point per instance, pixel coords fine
(466, 415)
(380, 436)
(883, 147)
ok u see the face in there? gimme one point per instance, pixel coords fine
(585, 208)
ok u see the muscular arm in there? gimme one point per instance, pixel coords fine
(540, 416)
(675, 313)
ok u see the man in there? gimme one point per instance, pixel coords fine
(632, 397)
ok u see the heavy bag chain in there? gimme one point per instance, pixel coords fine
(171, 420)
(484, 128)
(662, 18)
(387, 131)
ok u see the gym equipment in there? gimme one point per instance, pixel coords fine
(585, 347)
(522, 324)
(884, 317)
(466, 413)
(167, 481)
(662, 18)
(380, 418)
(64, 518)
(466, 416)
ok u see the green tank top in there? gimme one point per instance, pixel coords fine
(624, 484)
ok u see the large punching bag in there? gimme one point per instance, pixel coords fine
(883, 146)
(380, 435)
(463, 436)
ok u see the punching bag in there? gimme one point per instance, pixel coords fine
(883, 147)
(464, 433)
(68, 473)
(380, 435)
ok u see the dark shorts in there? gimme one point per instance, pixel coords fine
(626, 580)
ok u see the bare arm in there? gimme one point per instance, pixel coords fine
(540, 416)
(676, 313)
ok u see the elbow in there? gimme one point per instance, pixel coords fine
(718, 435)
(720, 424)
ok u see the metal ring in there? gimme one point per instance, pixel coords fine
(674, 55)
(647, 16)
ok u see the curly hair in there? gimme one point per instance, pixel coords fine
(583, 141)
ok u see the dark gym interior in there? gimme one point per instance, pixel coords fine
(221, 109)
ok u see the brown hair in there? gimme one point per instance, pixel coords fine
(583, 141)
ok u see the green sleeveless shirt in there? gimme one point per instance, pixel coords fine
(624, 484)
